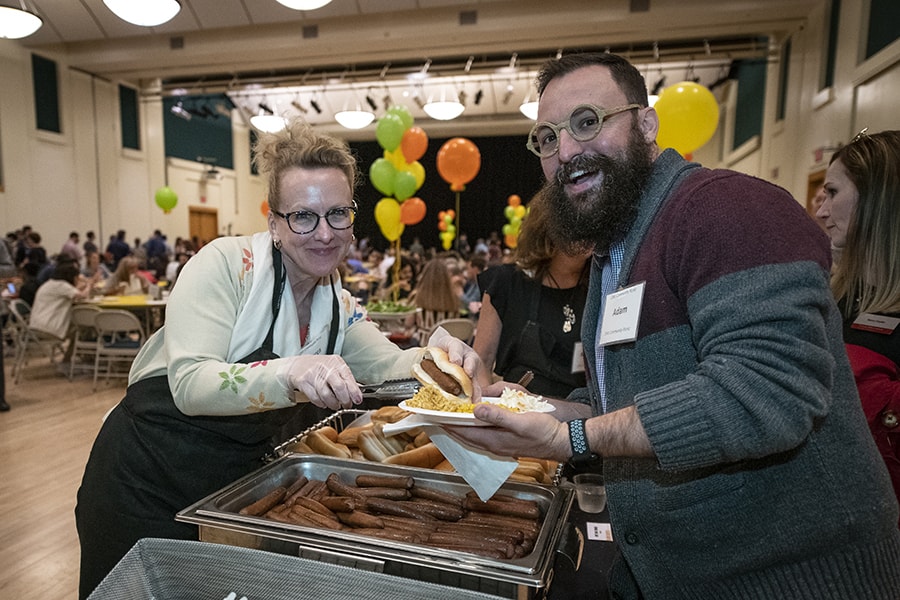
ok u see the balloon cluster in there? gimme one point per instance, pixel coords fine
(446, 227)
(688, 117)
(514, 213)
(399, 174)
(166, 199)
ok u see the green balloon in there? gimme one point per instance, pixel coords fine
(401, 111)
(389, 132)
(382, 174)
(166, 198)
(404, 185)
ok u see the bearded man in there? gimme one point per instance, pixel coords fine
(724, 415)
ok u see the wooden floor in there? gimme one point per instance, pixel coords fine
(44, 444)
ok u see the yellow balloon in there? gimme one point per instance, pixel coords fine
(396, 158)
(418, 172)
(387, 215)
(688, 116)
(519, 211)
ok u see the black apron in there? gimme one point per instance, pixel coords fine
(531, 351)
(150, 460)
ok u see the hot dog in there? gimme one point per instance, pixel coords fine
(266, 503)
(360, 519)
(521, 509)
(395, 481)
(450, 379)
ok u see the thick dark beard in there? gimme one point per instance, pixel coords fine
(604, 214)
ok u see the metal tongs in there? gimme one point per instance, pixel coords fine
(393, 389)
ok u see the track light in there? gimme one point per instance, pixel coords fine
(478, 96)
(302, 109)
(180, 111)
(370, 100)
(315, 106)
(509, 93)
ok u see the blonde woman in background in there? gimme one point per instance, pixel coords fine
(126, 280)
(861, 213)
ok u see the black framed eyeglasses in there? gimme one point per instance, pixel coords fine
(584, 124)
(305, 221)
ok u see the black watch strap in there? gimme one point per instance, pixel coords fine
(581, 451)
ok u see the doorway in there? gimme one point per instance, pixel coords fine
(203, 223)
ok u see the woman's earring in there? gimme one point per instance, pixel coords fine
(277, 244)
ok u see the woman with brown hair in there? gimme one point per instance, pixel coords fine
(530, 321)
(434, 298)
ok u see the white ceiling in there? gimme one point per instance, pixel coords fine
(353, 48)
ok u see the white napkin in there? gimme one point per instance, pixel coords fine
(482, 470)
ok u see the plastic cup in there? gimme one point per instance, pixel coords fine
(590, 492)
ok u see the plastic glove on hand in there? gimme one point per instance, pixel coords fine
(325, 381)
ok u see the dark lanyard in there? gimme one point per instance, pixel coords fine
(276, 305)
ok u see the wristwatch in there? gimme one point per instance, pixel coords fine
(581, 452)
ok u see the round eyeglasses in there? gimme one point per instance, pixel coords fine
(584, 124)
(306, 221)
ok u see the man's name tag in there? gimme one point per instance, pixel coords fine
(621, 315)
(876, 323)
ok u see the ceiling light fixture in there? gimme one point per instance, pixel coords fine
(529, 107)
(304, 4)
(354, 118)
(445, 109)
(16, 23)
(267, 121)
(146, 13)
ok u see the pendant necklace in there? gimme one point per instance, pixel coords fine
(568, 313)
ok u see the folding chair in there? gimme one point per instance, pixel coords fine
(28, 337)
(463, 329)
(84, 335)
(120, 335)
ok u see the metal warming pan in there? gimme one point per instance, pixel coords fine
(526, 577)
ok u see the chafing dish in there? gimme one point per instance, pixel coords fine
(527, 577)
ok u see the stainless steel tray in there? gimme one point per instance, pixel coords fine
(220, 510)
(342, 419)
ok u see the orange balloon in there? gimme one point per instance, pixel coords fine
(458, 162)
(414, 143)
(412, 211)
(511, 240)
(264, 208)
(514, 200)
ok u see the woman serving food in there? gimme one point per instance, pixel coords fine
(258, 334)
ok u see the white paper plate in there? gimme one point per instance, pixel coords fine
(458, 418)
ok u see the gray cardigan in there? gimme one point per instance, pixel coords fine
(766, 482)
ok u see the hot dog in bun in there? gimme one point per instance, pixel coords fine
(448, 378)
